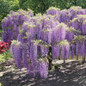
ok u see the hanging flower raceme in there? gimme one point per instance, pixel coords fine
(12, 24)
(27, 33)
(84, 27)
(83, 48)
(59, 33)
(56, 51)
(47, 22)
(37, 51)
(7, 26)
(33, 50)
(43, 68)
(17, 52)
(79, 24)
(85, 11)
(25, 56)
(70, 34)
(44, 29)
(53, 11)
(65, 49)
(76, 10)
(65, 17)
(33, 55)
(80, 42)
(61, 48)
(76, 24)
(44, 49)
(40, 48)
(45, 35)
(30, 13)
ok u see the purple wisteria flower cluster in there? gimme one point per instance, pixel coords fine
(35, 39)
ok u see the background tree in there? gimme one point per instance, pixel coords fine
(43, 5)
(6, 6)
(38, 6)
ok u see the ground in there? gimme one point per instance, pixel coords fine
(69, 74)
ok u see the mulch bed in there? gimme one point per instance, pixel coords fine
(69, 74)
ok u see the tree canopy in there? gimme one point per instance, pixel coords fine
(38, 6)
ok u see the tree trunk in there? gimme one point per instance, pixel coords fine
(77, 58)
(83, 59)
(64, 61)
(50, 60)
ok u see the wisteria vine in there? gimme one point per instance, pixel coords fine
(37, 40)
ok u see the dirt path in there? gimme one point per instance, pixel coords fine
(70, 74)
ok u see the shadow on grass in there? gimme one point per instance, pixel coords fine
(69, 74)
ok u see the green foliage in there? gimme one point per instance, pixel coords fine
(6, 6)
(35, 5)
(5, 56)
(42, 5)
(38, 6)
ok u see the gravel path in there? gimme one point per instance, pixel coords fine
(69, 74)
